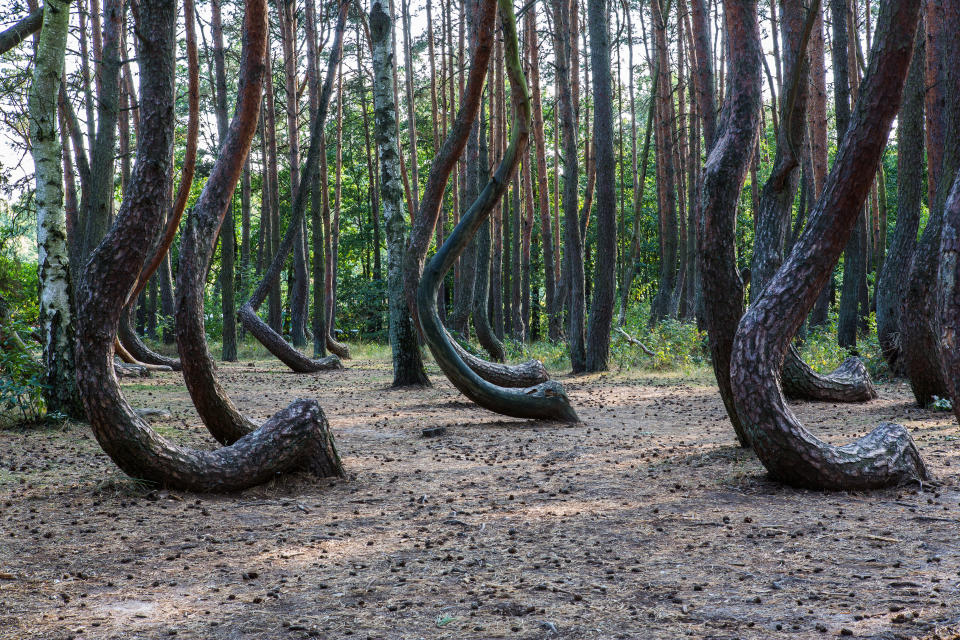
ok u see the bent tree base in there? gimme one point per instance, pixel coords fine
(886, 456)
(525, 374)
(544, 401)
(849, 382)
(295, 439)
(275, 344)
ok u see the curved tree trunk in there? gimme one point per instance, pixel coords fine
(789, 452)
(849, 382)
(948, 295)
(547, 400)
(443, 164)
(723, 177)
(293, 439)
(892, 283)
(275, 343)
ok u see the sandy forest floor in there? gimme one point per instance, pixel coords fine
(645, 521)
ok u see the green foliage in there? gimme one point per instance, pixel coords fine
(821, 351)
(21, 379)
(941, 404)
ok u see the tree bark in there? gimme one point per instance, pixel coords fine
(103, 153)
(12, 36)
(723, 176)
(299, 301)
(660, 307)
(445, 161)
(274, 342)
(919, 331)
(948, 295)
(547, 400)
(604, 279)
(892, 283)
(293, 439)
(790, 453)
(543, 190)
(319, 196)
(228, 233)
(56, 316)
(573, 245)
(408, 367)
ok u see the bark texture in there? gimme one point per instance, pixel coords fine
(293, 439)
(790, 453)
(605, 273)
(548, 400)
(279, 347)
(408, 367)
(948, 295)
(723, 176)
(53, 255)
(892, 283)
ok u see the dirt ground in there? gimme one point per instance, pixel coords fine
(645, 521)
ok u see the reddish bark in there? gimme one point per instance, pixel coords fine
(790, 453)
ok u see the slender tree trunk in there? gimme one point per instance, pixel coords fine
(660, 307)
(573, 246)
(604, 279)
(318, 188)
(228, 231)
(274, 313)
(407, 363)
(56, 316)
(892, 283)
(103, 152)
(543, 189)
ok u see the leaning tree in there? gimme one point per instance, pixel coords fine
(273, 341)
(790, 453)
(546, 400)
(294, 439)
(722, 180)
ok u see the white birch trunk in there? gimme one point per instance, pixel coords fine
(55, 314)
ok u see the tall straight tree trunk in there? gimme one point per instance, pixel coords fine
(573, 247)
(299, 300)
(228, 230)
(407, 363)
(103, 152)
(318, 189)
(892, 283)
(56, 316)
(660, 307)
(543, 189)
(411, 114)
(604, 279)
(274, 312)
(817, 125)
(852, 257)
(481, 288)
